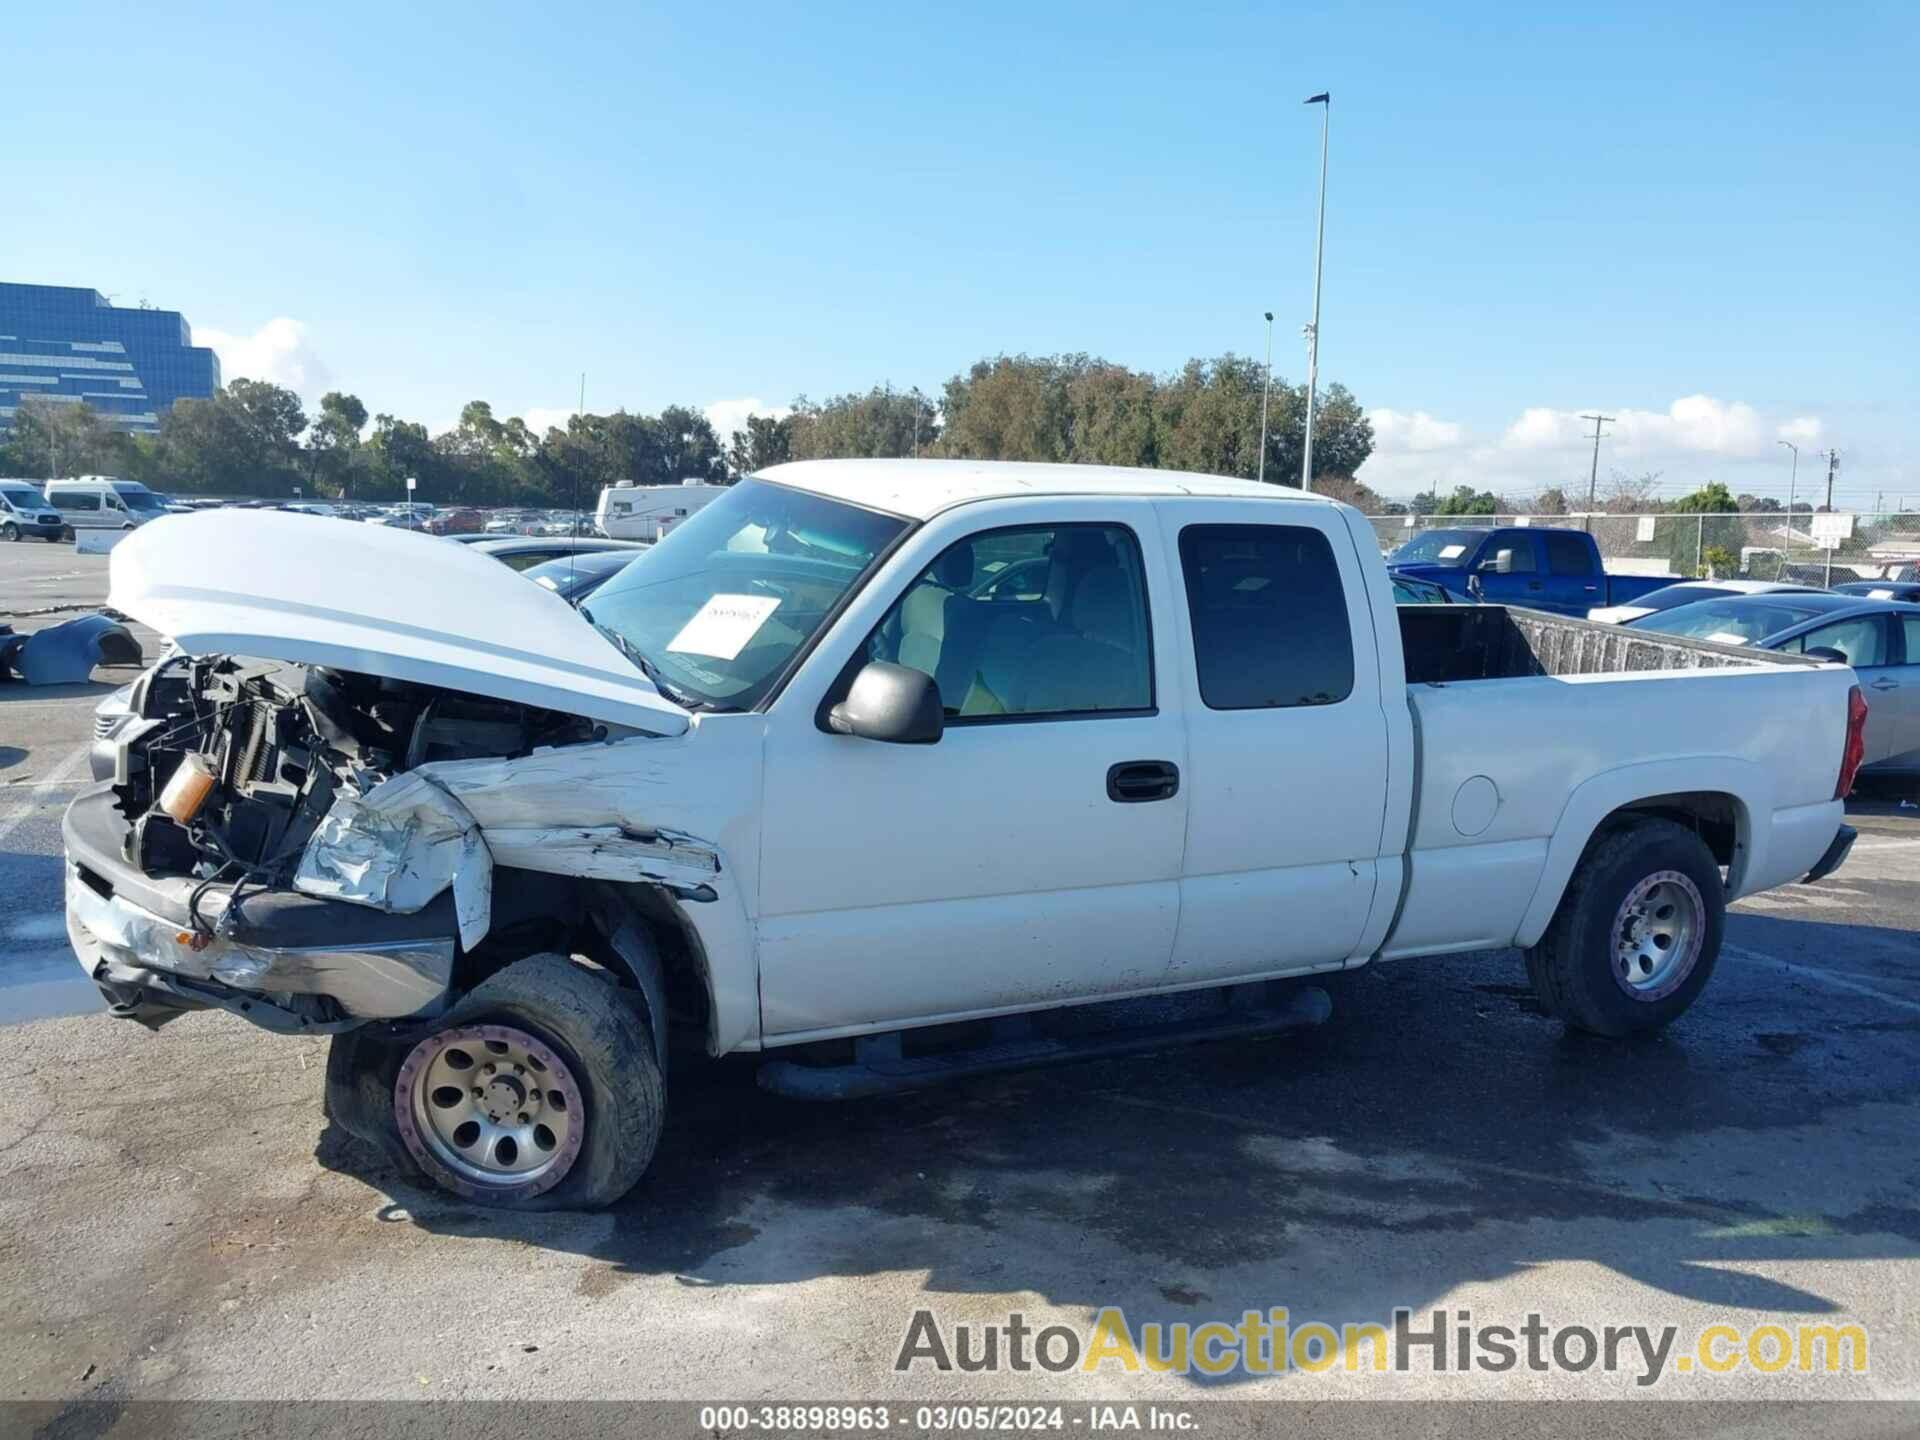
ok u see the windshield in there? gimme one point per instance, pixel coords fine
(24, 497)
(1741, 620)
(1439, 547)
(1675, 596)
(138, 497)
(718, 607)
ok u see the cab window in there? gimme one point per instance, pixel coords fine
(1863, 641)
(1028, 622)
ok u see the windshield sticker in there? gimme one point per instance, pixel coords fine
(1452, 552)
(1727, 637)
(1879, 594)
(724, 625)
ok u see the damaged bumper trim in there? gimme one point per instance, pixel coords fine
(116, 940)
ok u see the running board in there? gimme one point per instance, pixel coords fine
(879, 1067)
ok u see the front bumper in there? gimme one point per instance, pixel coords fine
(133, 936)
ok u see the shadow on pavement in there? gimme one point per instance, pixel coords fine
(1440, 1130)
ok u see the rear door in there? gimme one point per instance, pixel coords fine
(1904, 748)
(1867, 642)
(1574, 584)
(1286, 743)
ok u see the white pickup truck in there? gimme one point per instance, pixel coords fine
(876, 768)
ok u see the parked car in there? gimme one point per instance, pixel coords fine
(1906, 591)
(24, 511)
(1688, 591)
(797, 791)
(1543, 569)
(526, 551)
(574, 577)
(101, 502)
(1880, 639)
(459, 520)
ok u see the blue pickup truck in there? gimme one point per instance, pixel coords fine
(1533, 567)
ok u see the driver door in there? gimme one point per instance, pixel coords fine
(1520, 584)
(1021, 860)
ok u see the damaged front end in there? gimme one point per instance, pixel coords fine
(272, 842)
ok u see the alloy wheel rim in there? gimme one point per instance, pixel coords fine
(1657, 934)
(496, 1110)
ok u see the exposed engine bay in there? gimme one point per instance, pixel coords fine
(232, 764)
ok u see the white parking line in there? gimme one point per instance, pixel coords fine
(1824, 977)
(54, 780)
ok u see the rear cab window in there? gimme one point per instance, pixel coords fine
(1566, 554)
(1269, 616)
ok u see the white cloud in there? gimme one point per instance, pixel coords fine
(1695, 439)
(278, 351)
(1397, 431)
(542, 418)
(727, 416)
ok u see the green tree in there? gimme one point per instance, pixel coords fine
(333, 440)
(764, 441)
(51, 438)
(883, 423)
(1465, 500)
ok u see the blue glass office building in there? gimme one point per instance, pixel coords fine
(71, 346)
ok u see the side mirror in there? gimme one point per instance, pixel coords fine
(894, 703)
(1501, 564)
(1829, 654)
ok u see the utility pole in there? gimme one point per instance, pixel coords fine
(1325, 101)
(1593, 475)
(1833, 464)
(1266, 390)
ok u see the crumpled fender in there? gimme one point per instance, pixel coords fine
(65, 654)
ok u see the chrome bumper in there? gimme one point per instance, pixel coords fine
(118, 943)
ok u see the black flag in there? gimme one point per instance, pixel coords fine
(1323, 98)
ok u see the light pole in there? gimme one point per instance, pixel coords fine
(1266, 390)
(1593, 475)
(1325, 101)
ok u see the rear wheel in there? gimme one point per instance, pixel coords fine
(539, 1091)
(1637, 934)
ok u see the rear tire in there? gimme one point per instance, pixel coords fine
(1638, 931)
(559, 1034)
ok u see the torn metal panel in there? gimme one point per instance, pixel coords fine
(610, 852)
(65, 654)
(399, 846)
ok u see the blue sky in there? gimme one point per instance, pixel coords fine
(1703, 222)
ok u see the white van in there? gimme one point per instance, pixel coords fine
(646, 512)
(24, 511)
(104, 502)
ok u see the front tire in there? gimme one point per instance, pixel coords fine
(9, 532)
(540, 1090)
(1637, 934)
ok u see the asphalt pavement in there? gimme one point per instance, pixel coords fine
(177, 1221)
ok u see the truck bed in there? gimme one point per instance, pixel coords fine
(1447, 644)
(1523, 722)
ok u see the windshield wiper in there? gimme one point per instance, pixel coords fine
(647, 668)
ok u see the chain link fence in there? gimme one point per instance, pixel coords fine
(1810, 549)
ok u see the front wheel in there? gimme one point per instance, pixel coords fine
(9, 532)
(1637, 934)
(539, 1091)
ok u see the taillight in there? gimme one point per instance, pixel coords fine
(1856, 748)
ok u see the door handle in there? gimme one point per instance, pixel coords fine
(1593, 589)
(1533, 584)
(1133, 782)
(1883, 683)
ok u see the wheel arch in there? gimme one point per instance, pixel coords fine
(1718, 798)
(655, 946)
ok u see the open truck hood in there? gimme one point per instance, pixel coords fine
(379, 601)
